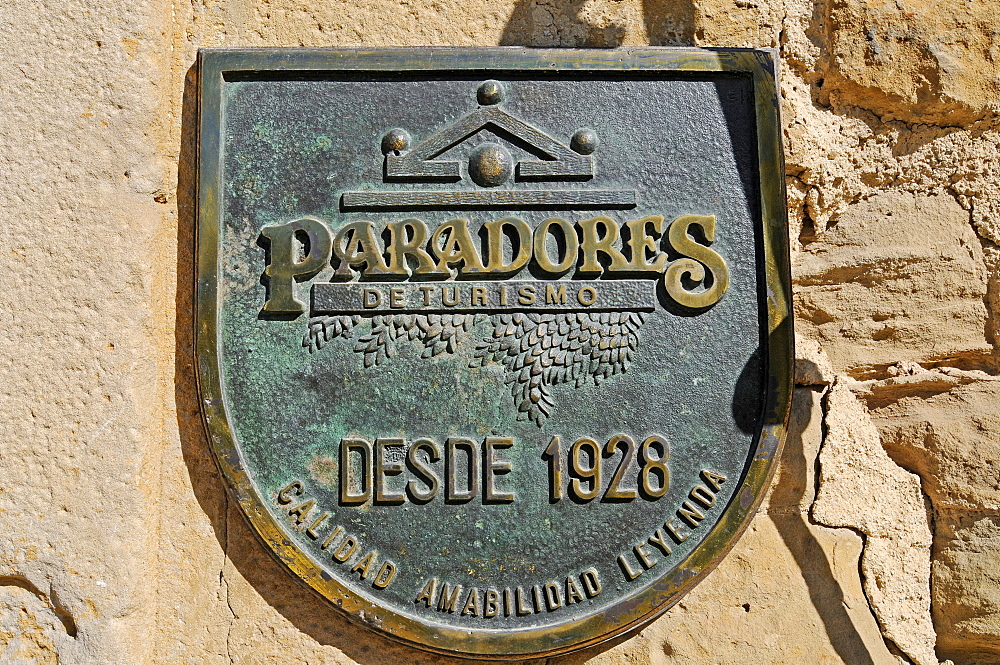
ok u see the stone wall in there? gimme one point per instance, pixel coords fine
(880, 540)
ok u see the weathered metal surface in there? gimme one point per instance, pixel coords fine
(494, 345)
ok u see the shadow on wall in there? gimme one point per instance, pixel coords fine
(825, 591)
(566, 23)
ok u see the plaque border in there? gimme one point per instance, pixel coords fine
(630, 613)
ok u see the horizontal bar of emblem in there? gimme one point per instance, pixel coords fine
(524, 198)
(491, 297)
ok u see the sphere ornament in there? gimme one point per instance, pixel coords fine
(489, 93)
(490, 165)
(584, 141)
(395, 140)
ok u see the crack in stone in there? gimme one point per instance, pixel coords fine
(49, 599)
(895, 527)
(223, 582)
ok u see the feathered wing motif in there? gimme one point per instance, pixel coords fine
(544, 350)
(437, 332)
(537, 350)
(323, 329)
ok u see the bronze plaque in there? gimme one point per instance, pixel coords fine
(494, 344)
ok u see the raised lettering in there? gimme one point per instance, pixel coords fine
(406, 239)
(586, 296)
(448, 600)
(639, 243)
(573, 593)
(357, 245)
(449, 299)
(492, 467)
(553, 453)
(471, 603)
(627, 568)
(704, 266)
(294, 487)
(701, 494)
(422, 470)
(426, 291)
(595, 243)
(552, 297)
(427, 593)
(355, 491)
(285, 267)
(522, 605)
(690, 514)
(371, 298)
(615, 491)
(364, 565)
(311, 529)
(570, 242)
(674, 531)
(451, 481)
(654, 466)
(397, 297)
(643, 556)
(520, 253)
(453, 245)
(385, 575)
(536, 592)
(491, 606)
(333, 535)
(553, 596)
(346, 549)
(591, 582)
(384, 468)
(658, 538)
(714, 480)
(300, 511)
(585, 474)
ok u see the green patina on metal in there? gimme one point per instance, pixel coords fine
(481, 431)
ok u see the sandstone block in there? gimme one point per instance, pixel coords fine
(966, 586)
(945, 427)
(30, 632)
(951, 439)
(812, 365)
(913, 60)
(860, 487)
(899, 277)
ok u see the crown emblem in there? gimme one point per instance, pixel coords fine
(490, 166)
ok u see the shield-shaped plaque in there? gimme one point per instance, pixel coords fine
(494, 345)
